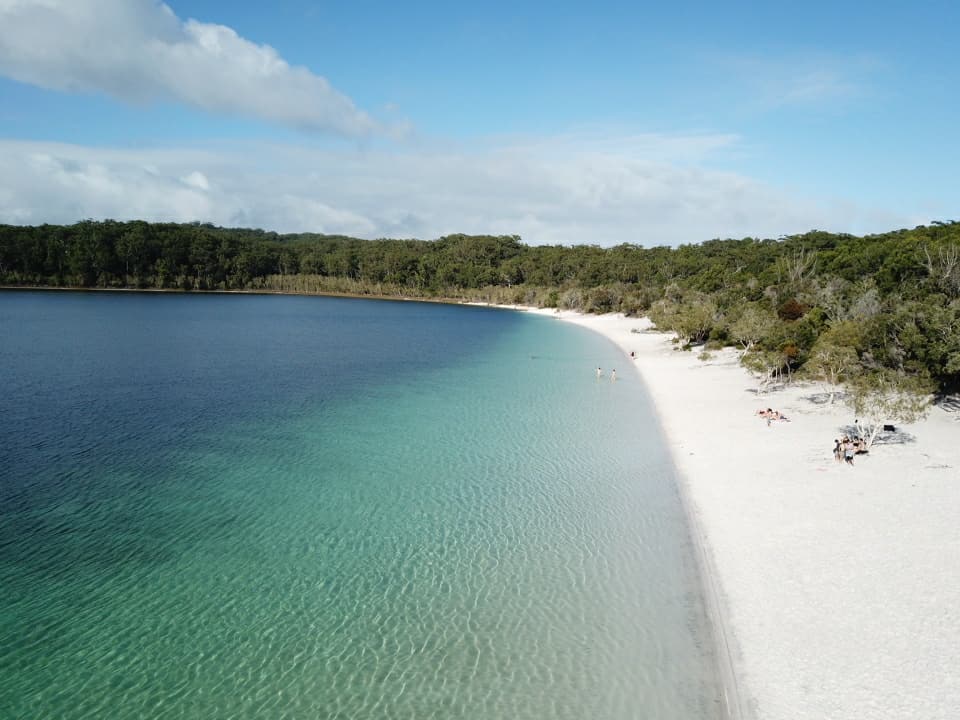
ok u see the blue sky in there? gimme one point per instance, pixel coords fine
(562, 122)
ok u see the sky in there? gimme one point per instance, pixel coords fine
(561, 122)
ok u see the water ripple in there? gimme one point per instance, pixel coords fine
(485, 539)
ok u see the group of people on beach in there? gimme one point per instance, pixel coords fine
(770, 415)
(846, 447)
(613, 374)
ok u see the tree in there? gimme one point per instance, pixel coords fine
(753, 325)
(691, 319)
(834, 358)
(663, 314)
(129, 248)
(695, 319)
(797, 267)
(865, 303)
(829, 297)
(943, 268)
(887, 396)
(767, 365)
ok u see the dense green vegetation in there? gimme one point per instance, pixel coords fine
(835, 307)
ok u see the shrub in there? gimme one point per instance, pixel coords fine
(791, 310)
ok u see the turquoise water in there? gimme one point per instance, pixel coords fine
(283, 507)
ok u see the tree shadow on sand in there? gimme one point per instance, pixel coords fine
(823, 398)
(769, 390)
(886, 437)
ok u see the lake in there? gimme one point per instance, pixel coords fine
(298, 507)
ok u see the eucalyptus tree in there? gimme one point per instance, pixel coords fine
(887, 397)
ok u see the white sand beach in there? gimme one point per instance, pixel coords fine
(839, 586)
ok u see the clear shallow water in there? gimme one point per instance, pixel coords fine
(312, 507)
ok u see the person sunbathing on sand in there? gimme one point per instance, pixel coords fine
(770, 414)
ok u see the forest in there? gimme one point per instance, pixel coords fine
(837, 308)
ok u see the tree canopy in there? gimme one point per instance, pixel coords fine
(795, 301)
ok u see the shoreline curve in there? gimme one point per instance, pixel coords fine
(832, 587)
(721, 635)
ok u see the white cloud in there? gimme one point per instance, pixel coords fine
(816, 85)
(196, 179)
(139, 51)
(644, 189)
(792, 79)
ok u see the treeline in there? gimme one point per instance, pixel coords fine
(892, 299)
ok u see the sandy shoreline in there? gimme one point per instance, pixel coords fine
(837, 585)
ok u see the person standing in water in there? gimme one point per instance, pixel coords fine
(599, 372)
(613, 375)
